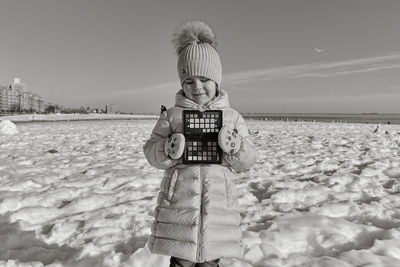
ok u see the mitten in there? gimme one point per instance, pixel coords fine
(229, 140)
(175, 145)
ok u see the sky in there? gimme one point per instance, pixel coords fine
(96, 52)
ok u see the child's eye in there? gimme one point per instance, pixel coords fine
(204, 80)
(189, 82)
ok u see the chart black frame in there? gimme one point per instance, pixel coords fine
(201, 129)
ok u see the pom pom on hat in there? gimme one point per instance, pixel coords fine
(193, 32)
(195, 44)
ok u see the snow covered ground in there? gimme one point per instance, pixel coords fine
(82, 194)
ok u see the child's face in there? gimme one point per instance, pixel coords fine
(199, 89)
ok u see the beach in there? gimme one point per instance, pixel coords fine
(81, 193)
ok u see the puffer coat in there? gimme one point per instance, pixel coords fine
(197, 214)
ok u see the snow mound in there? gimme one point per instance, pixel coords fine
(8, 127)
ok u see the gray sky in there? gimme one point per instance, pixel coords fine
(92, 52)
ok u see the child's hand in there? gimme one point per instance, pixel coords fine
(229, 140)
(175, 146)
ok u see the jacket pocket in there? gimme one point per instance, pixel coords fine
(172, 176)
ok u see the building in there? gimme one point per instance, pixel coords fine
(109, 108)
(41, 105)
(18, 85)
(9, 99)
(3, 96)
(17, 98)
(24, 99)
(34, 102)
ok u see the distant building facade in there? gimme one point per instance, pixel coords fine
(18, 85)
(109, 109)
(17, 98)
(3, 97)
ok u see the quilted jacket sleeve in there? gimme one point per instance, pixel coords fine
(154, 147)
(247, 156)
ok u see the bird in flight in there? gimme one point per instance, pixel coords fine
(318, 50)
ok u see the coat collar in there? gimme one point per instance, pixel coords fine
(219, 102)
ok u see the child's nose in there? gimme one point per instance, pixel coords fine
(198, 85)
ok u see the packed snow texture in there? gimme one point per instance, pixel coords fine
(82, 194)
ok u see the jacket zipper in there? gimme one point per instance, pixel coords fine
(200, 217)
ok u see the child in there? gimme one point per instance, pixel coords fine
(197, 218)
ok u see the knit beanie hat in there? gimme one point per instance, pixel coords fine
(195, 45)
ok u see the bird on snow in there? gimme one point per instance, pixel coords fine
(377, 128)
(318, 50)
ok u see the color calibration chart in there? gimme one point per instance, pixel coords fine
(201, 135)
